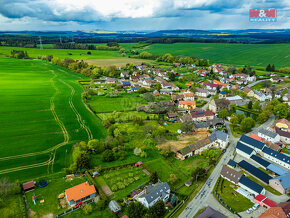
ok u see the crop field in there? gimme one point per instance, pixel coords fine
(41, 116)
(125, 102)
(236, 54)
(118, 62)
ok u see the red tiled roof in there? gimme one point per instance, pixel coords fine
(202, 114)
(80, 191)
(265, 200)
(253, 136)
(28, 185)
(187, 102)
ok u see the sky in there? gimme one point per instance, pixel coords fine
(137, 15)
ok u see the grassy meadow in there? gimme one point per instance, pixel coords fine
(41, 116)
(259, 55)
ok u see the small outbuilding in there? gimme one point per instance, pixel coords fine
(139, 164)
(28, 186)
(114, 206)
(96, 174)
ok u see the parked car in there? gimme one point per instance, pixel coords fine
(256, 206)
(250, 210)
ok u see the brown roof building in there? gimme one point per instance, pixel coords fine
(28, 186)
(281, 211)
(231, 174)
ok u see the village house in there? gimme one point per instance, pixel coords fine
(281, 183)
(278, 94)
(217, 105)
(201, 92)
(263, 201)
(172, 116)
(259, 95)
(231, 175)
(188, 96)
(187, 105)
(283, 124)
(282, 210)
(286, 98)
(277, 79)
(154, 193)
(284, 136)
(234, 87)
(244, 150)
(212, 86)
(251, 186)
(124, 74)
(276, 157)
(219, 139)
(193, 149)
(219, 83)
(252, 143)
(79, 193)
(269, 135)
(235, 99)
(111, 80)
(202, 116)
(222, 94)
(249, 91)
(177, 98)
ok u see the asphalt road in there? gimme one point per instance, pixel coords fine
(204, 196)
(201, 199)
(254, 83)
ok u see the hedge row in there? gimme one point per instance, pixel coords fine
(98, 187)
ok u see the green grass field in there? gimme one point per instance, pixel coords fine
(64, 53)
(42, 115)
(236, 54)
(236, 201)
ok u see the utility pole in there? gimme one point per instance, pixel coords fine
(40, 43)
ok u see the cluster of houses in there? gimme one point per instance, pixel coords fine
(278, 164)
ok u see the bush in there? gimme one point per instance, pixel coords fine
(108, 156)
(88, 209)
(114, 188)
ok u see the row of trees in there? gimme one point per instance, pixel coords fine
(270, 68)
(19, 54)
(172, 59)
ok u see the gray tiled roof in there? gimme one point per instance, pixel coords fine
(217, 134)
(155, 191)
(268, 133)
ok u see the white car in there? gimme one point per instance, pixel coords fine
(250, 210)
(256, 206)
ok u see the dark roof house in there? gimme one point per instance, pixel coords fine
(255, 171)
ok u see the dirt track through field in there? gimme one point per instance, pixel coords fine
(79, 118)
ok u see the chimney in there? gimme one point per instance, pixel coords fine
(145, 190)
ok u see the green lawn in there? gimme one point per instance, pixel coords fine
(64, 53)
(49, 194)
(236, 201)
(14, 206)
(125, 102)
(42, 111)
(259, 55)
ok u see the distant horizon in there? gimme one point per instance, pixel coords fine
(108, 30)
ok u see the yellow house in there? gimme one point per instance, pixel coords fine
(283, 124)
(187, 105)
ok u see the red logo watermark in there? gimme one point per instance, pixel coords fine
(263, 15)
